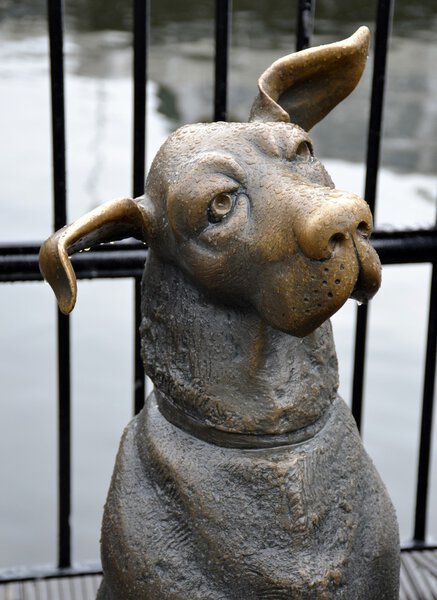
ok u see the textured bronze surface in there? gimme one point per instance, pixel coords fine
(244, 476)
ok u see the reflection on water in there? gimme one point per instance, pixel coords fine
(99, 100)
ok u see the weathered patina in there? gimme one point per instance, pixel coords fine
(244, 476)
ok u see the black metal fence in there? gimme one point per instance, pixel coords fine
(19, 263)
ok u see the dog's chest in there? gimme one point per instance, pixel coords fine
(296, 480)
(235, 509)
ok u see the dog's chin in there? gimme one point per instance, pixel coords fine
(304, 326)
(366, 286)
(303, 321)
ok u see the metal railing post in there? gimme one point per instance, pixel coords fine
(141, 11)
(383, 27)
(55, 23)
(223, 18)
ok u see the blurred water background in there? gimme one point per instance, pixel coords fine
(99, 142)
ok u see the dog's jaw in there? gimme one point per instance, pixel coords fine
(224, 366)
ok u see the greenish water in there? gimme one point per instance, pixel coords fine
(99, 135)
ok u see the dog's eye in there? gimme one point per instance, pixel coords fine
(220, 206)
(304, 151)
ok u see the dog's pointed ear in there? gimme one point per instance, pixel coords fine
(302, 88)
(115, 220)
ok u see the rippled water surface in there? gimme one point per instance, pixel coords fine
(98, 108)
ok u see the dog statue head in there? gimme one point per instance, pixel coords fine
(245, 209)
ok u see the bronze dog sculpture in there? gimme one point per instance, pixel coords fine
(244, 476)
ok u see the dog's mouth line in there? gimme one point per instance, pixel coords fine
(367, 282)
(356, 288)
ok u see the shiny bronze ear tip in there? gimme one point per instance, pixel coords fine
(303, 87)
(361, 38)
(55, 267)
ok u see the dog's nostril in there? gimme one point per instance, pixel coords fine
(336, 239)
(364, 229)
(333, 225)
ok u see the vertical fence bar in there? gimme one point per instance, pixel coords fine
(383, 27)
(140, 39)
(141, 10)
(359, 364)
(427, 415)
(64, 437)
(55, 23)
(139, 375)
(223, 10)
(305, 23)
(382, 35)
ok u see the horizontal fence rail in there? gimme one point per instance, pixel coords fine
(11, 575)
(19, 262)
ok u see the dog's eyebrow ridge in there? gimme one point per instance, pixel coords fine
(283, 142)
(220, 162)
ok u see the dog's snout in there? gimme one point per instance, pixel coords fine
(335, 219)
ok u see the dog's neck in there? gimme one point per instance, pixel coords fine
(224, 367)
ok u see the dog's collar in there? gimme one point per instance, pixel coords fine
(227, 439)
